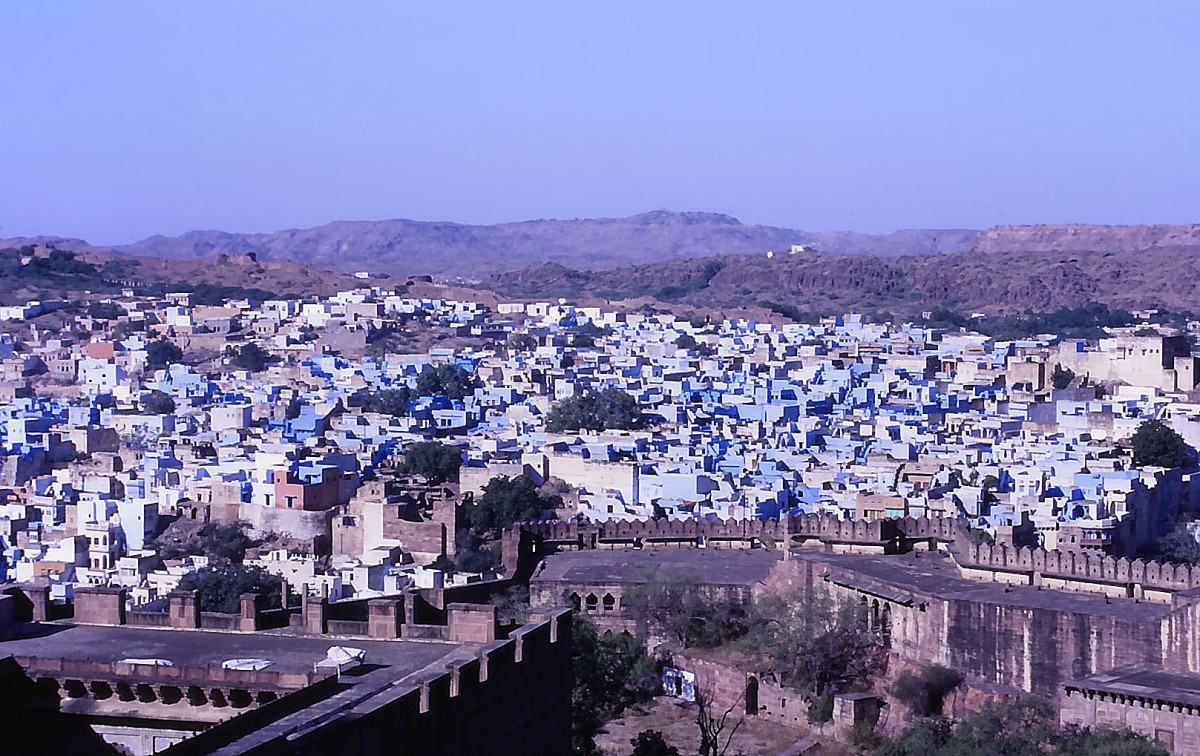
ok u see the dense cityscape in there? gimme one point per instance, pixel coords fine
(286, 470)
(599, 379)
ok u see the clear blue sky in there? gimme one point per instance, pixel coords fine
(125, 119)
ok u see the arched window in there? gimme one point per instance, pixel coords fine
(592, 601)
(885, 626)
(610, 603)
(576, 602)
(751, 696)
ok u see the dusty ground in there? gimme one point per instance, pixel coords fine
(677, 721)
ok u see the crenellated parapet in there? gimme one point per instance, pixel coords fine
(514, 679)
(1070, 569)
(588, 534)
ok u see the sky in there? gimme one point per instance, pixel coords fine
(124, 119)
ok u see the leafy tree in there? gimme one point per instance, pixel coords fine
(158, 403)
(1061, 377)
(688, 342)
(161, 353)
(1105, 741)
(812, 643)
(652, 743)
(609, 408)
(221, 587)
(105, 310)
(435, 461)
(980, 535)
(392, 402)
(820, 709)
(585, 335)
(251, 357)
(612, 672)
(923, 693)
(60, 261)
(924, 737)
(512, 606)
(678, 606)
(450, 381)
(1156, 444)
(1026, 727)
(221, 542)
(1180, 545)
(476, 556)
(505, 501)
(521, 342)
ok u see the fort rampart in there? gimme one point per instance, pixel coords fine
(509, 684)
(1067, 570)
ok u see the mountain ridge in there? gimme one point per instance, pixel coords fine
(448, 249)
(1125, 275)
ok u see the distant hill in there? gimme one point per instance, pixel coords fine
(1085, 238)
(406, 247)
(711, 260)
(93, 273)
(1005, 270)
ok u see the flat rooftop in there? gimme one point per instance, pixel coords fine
(929, 574)
(714, 566)
(1143, 681)
(288, 653)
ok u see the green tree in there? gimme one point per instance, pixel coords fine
(1105, 741)
(979, 535)
(520, 342)
(450, 381)
(251, 357)
(60, 261)
(585, 335)
(1061, 377)
(1180, 545)
(679, 606)
(436, 462)
(652, 743)
(688, 342)
(607, 409)
(105, 310)
(158, 403)
(161, 353)
(505, 501)
(1026, 727)
(811, 642)
(1156, 444)
(392, 402)
(512, 606)
(222, 542)
(220, 588)
(612, 672)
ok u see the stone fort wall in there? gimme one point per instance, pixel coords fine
(1021, 646)
(505, 700)
(1116, 576)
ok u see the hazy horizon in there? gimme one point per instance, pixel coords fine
(135, 119)
(439, 221)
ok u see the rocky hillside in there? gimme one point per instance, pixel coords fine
(70, 275)
(1084, 238)
(995, 282)
(447, 250)
(709, 260)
